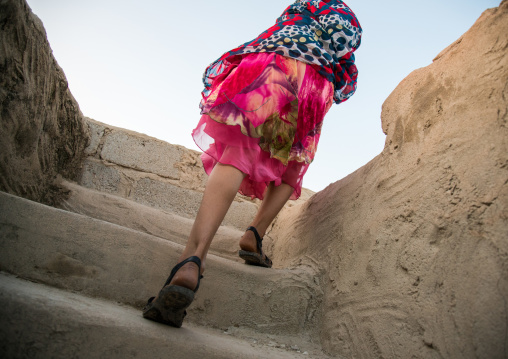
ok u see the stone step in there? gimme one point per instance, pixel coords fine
(101, 259)
(151, 172)
(37, 321)
(126, 213)
(157, 192)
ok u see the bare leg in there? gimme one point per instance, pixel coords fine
(275, 198)
(220, 191)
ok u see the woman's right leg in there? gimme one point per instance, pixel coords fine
(220, 191)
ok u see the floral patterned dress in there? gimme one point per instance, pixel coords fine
(264, 102)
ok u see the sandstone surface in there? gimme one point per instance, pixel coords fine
(414, 245)
(41, 126)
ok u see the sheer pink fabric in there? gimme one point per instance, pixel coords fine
(264, 116)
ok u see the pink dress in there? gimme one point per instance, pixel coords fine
(264, 102)
(264, 117)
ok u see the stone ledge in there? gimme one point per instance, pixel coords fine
(157, 192)
(100, 259)
(159, 223)
(143, 153)
(39, 321)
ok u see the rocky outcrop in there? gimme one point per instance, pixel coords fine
(414, 245)
(41, 128)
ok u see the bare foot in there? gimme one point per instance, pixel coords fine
(187, 276)
(248, 242)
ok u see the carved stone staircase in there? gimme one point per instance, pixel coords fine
(74, 278)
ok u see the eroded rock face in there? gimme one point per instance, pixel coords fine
(414, 245)
(41, 129)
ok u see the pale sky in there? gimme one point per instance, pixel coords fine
(138, 64)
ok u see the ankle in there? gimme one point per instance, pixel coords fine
(187, 254)
(260, 227)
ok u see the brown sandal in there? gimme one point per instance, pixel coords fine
(253, 258)
(170, 305)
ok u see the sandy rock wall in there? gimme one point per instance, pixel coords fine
(121, 151)
(41, 129)
(414, 245)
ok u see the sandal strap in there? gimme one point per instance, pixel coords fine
(259, 241)
(175, 269)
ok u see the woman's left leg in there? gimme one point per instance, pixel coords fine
(275, 198)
